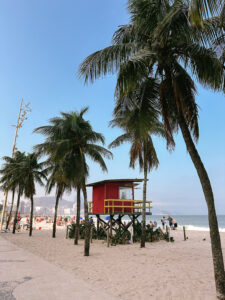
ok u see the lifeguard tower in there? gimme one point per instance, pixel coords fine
(115, 198)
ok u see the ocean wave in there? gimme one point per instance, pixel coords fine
(198, 228)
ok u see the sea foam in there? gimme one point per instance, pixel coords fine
(198, 228)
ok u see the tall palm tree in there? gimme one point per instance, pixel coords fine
(31, 171)
(6, 182)
(11, 208)
(159, 42)
(137, 114)
(57, 178)
(71, 137)
(77, 217)
(12, 179)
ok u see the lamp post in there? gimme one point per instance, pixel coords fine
(22, 116)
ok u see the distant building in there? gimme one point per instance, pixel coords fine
(45, 206)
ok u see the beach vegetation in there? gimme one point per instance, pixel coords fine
(11, 180)
(121, 236)
(71, 138)
(57, 178)
(160, 43)
(137, 114)
(7, 183)
(31, 171)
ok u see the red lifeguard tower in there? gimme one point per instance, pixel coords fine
(116, 197)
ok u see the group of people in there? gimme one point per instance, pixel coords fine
(153, 224)
(172, 222)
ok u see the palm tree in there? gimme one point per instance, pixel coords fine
(31, 171)
(6, 182)
(160, 43)
(137, 115)
(71, 137)
(57, 178)
(12, 180)
(77, 217)
(11, 209)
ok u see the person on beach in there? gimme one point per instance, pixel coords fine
(174, 222)
(155, 224)
(170, 222)
(151, 224)
(163, 221)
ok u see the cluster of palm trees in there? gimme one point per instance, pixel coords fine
(19, 174)
(158, 56)
(70, 139)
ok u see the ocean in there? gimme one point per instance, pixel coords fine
(191, 222)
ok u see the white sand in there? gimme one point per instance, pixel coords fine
(179, 270)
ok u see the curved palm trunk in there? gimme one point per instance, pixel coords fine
(217, 254)
(10, 213)
(87, 224)
(77, 218)
(16, 213)
(31, 214)
(144, 201)
(55, 215)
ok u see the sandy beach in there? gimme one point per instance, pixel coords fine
(182, 269)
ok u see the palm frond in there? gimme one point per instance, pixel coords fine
(200, 9)
(106, 61)
(126, 137)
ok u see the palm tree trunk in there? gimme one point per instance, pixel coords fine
(16, 213)
(77, 217)
(10, 213)
(144, 201)
(217, 254)
(87, 224)
(31, 214)
(55, 215)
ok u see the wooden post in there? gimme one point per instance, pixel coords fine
(184, 233)
(169, 234)
(108, 237)
(119, 222)
(110, 226)
(98, 228)
(91, 234)
(67, 232)
(132, 234)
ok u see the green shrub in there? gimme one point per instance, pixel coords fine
(72, 227)
(120, 236)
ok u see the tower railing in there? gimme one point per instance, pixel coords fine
(123, 206)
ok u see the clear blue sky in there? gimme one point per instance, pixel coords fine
(42, 44)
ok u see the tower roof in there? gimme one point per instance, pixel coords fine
(115, 180)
